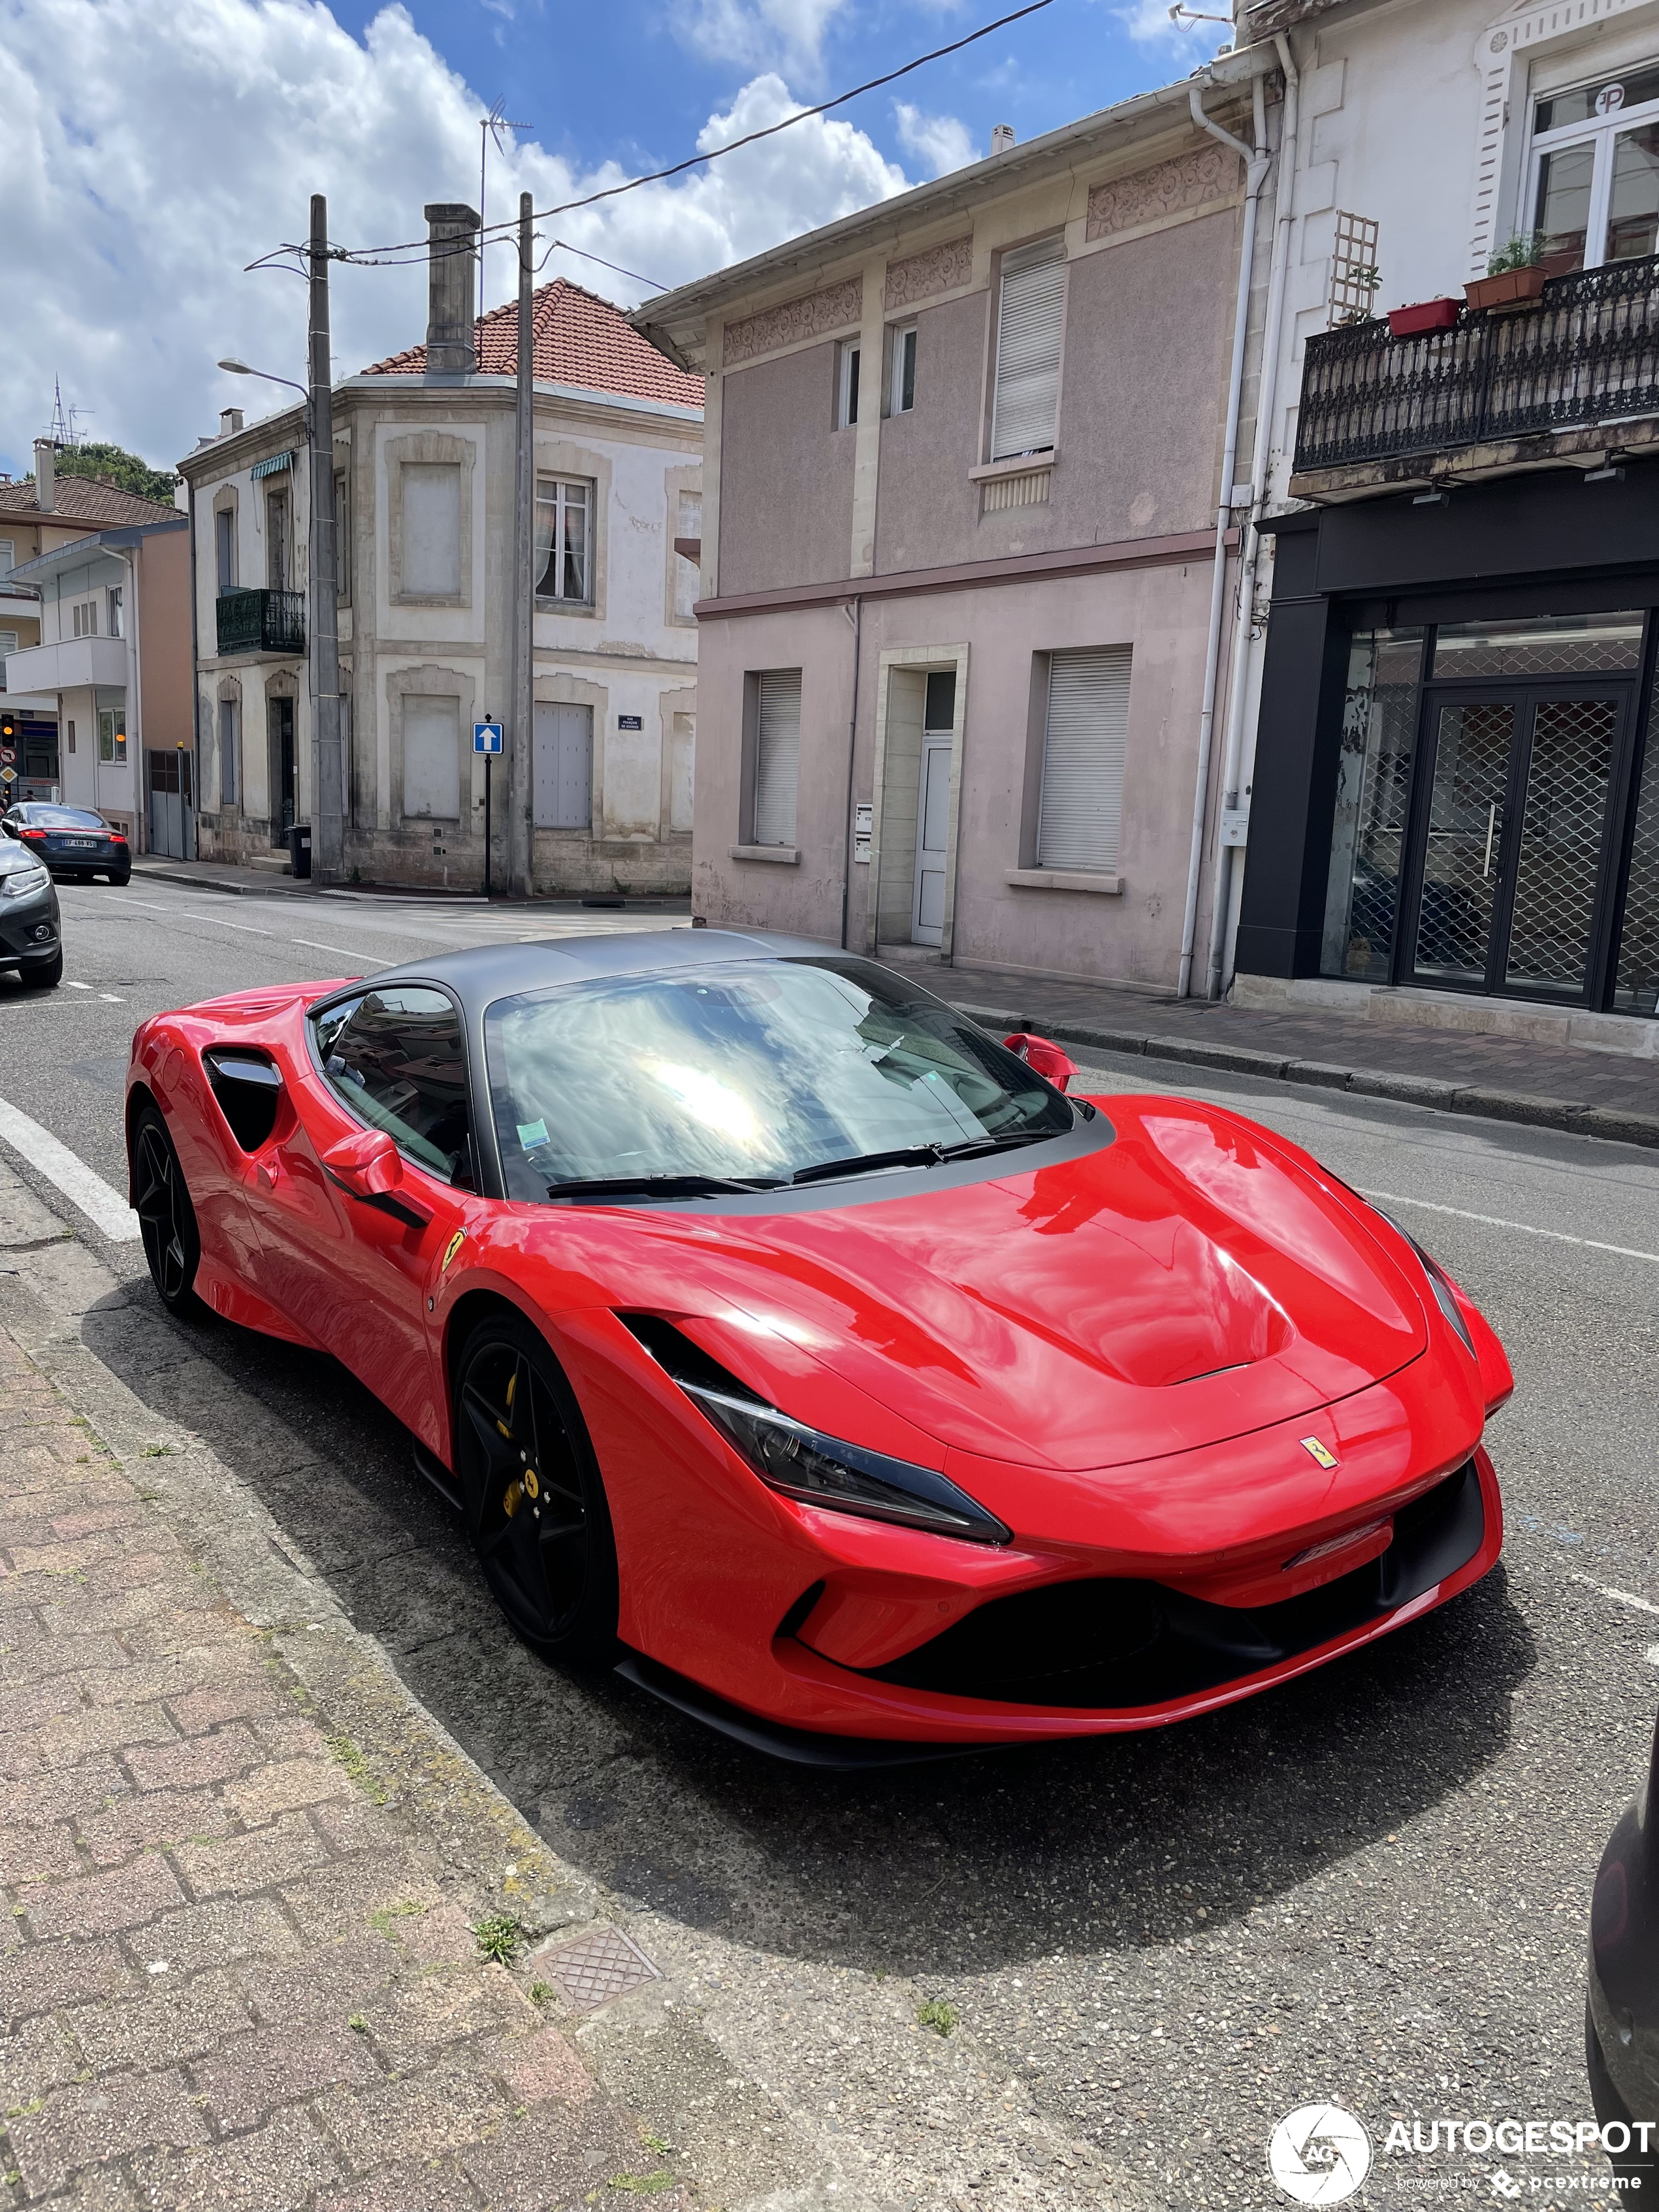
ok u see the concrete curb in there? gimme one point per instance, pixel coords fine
(1617, 1124)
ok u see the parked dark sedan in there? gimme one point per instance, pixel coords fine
(1621, 2020)
(72, 840)
(29, 940)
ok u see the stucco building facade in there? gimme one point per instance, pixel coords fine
(424, 483)
(962, 504)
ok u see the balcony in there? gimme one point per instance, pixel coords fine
(69, 665)
(1554, 376)
(262, 622)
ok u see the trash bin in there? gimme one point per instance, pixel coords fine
(299, 849)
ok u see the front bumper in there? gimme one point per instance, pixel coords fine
(29, 929)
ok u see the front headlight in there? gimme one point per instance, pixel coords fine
(18, 883)
(1444, 1297)
(802, 1462)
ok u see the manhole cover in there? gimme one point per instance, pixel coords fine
(599, 1967)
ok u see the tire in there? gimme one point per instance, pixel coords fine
(166, 1219)
(44, 975)
(116, 881)
(523, 1454)
(1640, 2172)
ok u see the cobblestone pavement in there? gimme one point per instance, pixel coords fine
(232, 1972)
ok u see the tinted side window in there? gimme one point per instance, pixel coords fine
(397, 1060)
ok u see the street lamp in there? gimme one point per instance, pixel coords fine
(241, 368)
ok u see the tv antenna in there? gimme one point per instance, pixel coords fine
(489, 126)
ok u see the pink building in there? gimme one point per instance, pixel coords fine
(964, 482)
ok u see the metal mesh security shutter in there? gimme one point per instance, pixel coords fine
(777, 757)
(1083, 750)
(1029, 324)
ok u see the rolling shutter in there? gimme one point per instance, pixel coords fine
(1026, 405)
(1083, 750)
(777, 757)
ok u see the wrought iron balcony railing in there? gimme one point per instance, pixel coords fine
(1586, 353)
(262, 622)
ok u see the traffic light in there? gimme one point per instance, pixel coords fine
(7, 730)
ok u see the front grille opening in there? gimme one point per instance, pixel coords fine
(795, 1619)
(1114, 1643)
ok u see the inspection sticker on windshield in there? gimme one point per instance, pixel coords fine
(532, 1133)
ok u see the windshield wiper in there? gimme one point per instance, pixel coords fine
(654, 1186)
(918, 1156)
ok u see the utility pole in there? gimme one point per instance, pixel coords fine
(520, 835)
(327, 780)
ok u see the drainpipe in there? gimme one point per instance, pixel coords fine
(135, 719)
(1257, 164)
(1221, 934)
(852, 754)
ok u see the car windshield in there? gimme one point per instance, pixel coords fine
(747, 1070)
(60, 817)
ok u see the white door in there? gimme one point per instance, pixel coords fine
(562, 767)
(933, 820)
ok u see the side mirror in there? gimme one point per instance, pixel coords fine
(1044, 1056)
(366, 1166)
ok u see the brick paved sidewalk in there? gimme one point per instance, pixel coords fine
(236, 1974)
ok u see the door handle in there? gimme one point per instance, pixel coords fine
(1491, 824)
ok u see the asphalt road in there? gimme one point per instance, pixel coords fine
(1370, 1886)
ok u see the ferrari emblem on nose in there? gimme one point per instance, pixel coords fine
(1316, 1451)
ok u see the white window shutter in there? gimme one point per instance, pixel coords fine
(777, 757)
(1025, 408)
(1084, 745)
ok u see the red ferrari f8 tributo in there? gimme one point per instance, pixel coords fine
(794, 1344)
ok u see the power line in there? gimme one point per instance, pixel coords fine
(613, 266)
(392, 257)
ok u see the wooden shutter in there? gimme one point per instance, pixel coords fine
(1026, 405)
(562, 767)
(1083, 744)
(777, 757)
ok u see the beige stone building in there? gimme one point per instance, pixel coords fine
(963, 496)
(423, 475)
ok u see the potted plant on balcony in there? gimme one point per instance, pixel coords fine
(1514, 274)
(1426, 315)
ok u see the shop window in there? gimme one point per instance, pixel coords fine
(1373, 787)
(1636, 985)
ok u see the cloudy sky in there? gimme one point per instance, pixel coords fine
(157, 146)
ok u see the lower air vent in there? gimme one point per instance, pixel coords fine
(249, 1091)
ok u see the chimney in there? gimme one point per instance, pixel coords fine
(452, 289)
(1002, 137)
(230, 422)
(46, 475)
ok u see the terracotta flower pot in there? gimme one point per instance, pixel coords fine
(1426, 315)
(1513, 287)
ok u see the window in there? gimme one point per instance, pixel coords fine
(111, 734)
(342, 538)
(1083, 742)
(230, 766)
(8, 556)
(1596, 172)
(687, 525)
(431, 530)
(902, 396)
(1373, 786)
(564, 540)
(777, 755)
(8, 643)
(847, 385)
(277, 548)
(562, 767)
(1030, 317)
(224, 544)
(71, 737)
(432, 757)
(116, 626)
(84, 616)
(395, 1060)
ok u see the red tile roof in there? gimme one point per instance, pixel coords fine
(86, 499)
(580, 339)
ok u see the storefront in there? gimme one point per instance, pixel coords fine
(1450, 789)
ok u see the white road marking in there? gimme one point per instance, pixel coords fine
(348, 951)
(1526, 1228)
(192, 907)
(74, 986)
(1619, 1596)
(105, 1208)
(111, 999)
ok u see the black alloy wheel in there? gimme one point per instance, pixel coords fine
(166, 1219)
(534, 1495)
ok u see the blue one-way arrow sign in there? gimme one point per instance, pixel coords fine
(486, 737)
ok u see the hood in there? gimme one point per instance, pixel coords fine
(1191, 1282)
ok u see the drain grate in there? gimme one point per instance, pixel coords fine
(598, 1968)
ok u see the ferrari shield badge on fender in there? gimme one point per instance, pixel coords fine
(1312, 1445)
(453, 1247)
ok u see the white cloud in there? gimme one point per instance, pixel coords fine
(942, 142)
(759, 33)
(146, 170)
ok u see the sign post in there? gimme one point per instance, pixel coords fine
(487, 740)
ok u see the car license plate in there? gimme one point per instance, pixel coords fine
(81, 844)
